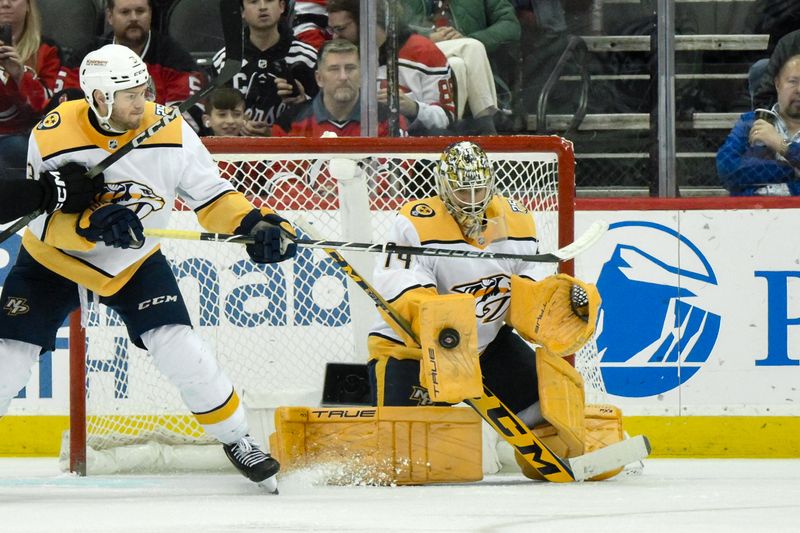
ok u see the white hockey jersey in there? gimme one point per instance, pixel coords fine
(146, 180)
(426, 222)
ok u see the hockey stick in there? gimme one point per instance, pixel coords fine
(231, 17)
(506, 423)
(591, 236)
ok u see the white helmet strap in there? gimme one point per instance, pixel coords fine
(104, 120)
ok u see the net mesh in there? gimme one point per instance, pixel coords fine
(274, 327)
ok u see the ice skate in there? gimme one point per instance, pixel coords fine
(253, 463)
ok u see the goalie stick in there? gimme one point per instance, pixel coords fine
(506, 423)
(231, 17)
(591, 236)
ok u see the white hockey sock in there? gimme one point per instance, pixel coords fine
(182, 356)
(531, 415)
(16, 360)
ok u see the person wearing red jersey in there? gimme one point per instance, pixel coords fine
(174, 74)
(335, 111)
(29, 66)
(337, 106)
(425, 88)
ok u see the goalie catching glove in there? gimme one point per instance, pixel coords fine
(558, 312)
(113, 224)
(272, 234)
(68, 189)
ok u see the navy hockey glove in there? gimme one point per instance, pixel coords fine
(112, 224)
(272, 234)
(68, 189)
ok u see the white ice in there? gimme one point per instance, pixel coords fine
(710, 495)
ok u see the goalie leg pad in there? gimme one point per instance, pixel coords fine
(550, 313)
(450, 374)
(603, 427)
(562, 399)
(380, 445)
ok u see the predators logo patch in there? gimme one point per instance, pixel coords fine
(16, 306)
(50, 121)
(141, 199)
(422, 211)
(492, 295)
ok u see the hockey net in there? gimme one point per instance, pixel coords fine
(275, 327)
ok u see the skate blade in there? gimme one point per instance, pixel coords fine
(270, 484)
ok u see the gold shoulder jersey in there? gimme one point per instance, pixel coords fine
(173, 162)
(510, 228)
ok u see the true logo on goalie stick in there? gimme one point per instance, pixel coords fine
(656, 331)
(422, 211)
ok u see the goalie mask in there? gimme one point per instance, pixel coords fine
(110, 69)
(465, 183)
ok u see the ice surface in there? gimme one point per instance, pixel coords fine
(711, 495)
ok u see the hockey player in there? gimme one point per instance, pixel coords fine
(484, 301)
(102, 248)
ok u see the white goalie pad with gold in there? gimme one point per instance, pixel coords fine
(380, 445)
(450, 373)
(558, 312)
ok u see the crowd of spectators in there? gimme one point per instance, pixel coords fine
(459, 61)
(450, 56)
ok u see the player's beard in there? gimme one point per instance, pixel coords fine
(126, 123)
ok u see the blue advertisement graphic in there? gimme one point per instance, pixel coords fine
(654, 333)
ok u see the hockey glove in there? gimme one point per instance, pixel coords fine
(273, 237)
(112, 224)
(68, 189)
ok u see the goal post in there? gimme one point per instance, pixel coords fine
(275, 327)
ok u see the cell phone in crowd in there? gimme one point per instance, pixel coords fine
(6, 35)
(282, 70)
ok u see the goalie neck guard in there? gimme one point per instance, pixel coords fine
(465, 183)
(110, 69)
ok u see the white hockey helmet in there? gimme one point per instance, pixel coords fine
(465, 169)
(110, 69)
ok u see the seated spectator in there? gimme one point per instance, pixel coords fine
(310, 22)
(493, 22)
(335, 111)
(761, 156)
(278, 70)
(425, 93)
(337, 106)
(224, 114)
(786, 47)
(173, 71)
(29, 66)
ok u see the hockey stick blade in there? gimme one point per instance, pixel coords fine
(591, 236)
(610, 457)
(230, 13)
(596, 230)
